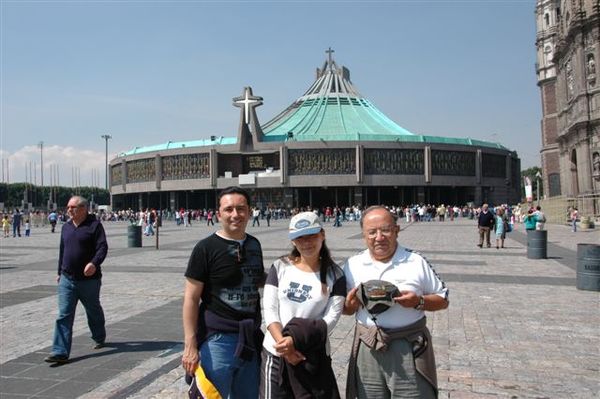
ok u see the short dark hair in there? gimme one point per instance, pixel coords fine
(374, 208)
(233, 190)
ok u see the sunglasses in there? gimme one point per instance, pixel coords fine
(238, 252)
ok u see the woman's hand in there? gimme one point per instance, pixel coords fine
(285, 346)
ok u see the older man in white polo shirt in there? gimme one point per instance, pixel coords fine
(390, 288)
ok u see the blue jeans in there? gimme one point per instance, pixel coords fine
(69, 293)
(16, 229)
(232, 376)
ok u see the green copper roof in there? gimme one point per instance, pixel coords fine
(331, 109)
(170, 145)
(332, 118)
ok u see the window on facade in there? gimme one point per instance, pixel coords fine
(554, 184)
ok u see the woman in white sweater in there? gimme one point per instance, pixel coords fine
(306, 284)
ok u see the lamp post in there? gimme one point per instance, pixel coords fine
(41, 145)
(538, 176)
(106, 137)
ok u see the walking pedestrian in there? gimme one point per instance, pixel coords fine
(53, 218)
(256, 217)
(83, 248)
(6, 226)
(485, 222)
(268, 215)
(574, 217)
(16, 222)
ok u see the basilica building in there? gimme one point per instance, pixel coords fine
(331, 146)
(568, 49)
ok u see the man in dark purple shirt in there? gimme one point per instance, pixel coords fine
(83, 248)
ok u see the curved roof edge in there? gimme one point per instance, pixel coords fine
(171, 145)
(283, 138)
(360, 137)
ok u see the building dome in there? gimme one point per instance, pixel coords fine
(331, 146)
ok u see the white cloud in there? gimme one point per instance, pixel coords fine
(65, 166)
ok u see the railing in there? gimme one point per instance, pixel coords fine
(556, 209)
(588, 205)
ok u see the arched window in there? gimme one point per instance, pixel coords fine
(546, 20)
(574, 177)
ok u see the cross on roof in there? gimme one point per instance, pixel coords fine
(329, 53)
(247, 101)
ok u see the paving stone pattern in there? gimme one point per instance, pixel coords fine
(515, 328)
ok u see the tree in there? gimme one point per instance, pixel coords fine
(16, 194)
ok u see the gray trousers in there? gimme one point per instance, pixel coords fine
(390, 374)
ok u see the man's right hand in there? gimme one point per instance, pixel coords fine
(58, 278)
(190, 359)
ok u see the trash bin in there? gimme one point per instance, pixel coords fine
(537, 244)
(588, 267)
(134, 236)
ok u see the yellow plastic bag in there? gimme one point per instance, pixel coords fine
(201, 387)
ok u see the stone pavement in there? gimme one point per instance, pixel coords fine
(515, 327)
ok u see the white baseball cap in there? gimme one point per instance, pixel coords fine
(304, 224)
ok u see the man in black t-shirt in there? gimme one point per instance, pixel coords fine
(225, 271)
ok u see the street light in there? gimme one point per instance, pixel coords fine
(106, 137)
(41, 145)
(538, 176)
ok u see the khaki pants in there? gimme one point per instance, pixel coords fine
(390, 374)
(484, 233)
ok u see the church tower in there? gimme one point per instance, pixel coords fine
(547, 17)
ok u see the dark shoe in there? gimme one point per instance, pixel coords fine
(497, 247)
(479, 245)
(60, 359)
(99, 345)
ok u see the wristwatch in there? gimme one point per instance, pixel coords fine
(421, 303)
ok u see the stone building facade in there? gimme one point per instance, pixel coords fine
(568, 50)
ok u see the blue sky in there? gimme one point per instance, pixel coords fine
(147, 72)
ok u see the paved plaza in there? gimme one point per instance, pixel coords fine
(515, 327)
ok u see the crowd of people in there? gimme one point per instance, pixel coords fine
(148, 218)
(18, 220)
